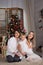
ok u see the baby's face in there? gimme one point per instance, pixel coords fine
(23, 37)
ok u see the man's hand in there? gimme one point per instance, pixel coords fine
(16, 53)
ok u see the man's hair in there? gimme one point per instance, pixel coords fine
(17, 30)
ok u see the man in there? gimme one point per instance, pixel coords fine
(12, 54)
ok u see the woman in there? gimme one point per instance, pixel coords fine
(33, 56)
(30, 39)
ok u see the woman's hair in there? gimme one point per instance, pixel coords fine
(30, 32)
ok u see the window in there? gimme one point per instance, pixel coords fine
(5, 14)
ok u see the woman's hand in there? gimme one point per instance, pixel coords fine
(30, 46)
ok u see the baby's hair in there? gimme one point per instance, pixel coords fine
(23, 33)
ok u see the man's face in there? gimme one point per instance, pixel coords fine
(17, 34)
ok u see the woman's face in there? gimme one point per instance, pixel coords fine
(17, 34)
(31, 35)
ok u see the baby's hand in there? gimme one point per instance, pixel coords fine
(24, 53)
(26, 56)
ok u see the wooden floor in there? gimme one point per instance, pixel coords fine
(4, 62)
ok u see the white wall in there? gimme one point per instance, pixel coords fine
(35, 6)
(28, 7)
(32, 21)
(39, 33)
(20, 4)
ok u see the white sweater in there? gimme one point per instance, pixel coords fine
(12, 46)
